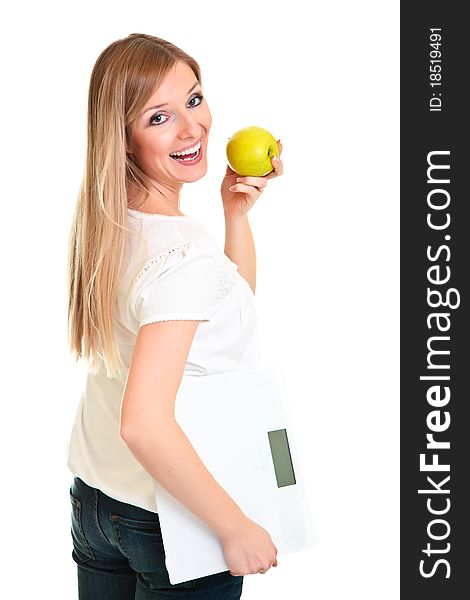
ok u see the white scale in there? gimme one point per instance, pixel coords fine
(238, 423)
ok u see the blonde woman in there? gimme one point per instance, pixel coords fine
(151, 298)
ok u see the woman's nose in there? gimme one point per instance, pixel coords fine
(188, 126)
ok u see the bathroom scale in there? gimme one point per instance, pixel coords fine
(238, 423)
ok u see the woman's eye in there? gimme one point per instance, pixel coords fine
(152, 122)
(200, 96)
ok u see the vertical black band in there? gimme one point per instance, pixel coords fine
(435, 316)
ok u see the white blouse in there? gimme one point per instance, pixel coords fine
(174, 270)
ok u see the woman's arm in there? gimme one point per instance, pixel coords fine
(238, 196)
(240, 246)
(150, 431)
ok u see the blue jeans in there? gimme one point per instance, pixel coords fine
(119, 553)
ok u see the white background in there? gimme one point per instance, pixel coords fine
(323, 77)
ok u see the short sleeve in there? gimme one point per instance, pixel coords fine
(182, 283)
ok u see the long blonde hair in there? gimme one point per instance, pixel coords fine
(123, 78)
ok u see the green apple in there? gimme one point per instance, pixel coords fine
(249, 151)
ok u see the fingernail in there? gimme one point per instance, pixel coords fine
(274, 157)
(231, 188)
(238, 178)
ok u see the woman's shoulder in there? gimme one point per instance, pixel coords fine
(184, 281)
(174, 251)
(155, 236)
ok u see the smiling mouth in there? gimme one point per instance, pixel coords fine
(189, 154)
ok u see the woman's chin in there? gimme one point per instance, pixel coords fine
(195, 174)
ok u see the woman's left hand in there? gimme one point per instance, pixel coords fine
(240, 193)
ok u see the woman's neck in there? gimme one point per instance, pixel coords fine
(160, 202)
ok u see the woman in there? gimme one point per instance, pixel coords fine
(151, 298)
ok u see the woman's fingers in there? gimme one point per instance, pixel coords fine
(250, 190)
(278, 167)
(259, 182)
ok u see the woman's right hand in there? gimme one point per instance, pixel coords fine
(249, 549)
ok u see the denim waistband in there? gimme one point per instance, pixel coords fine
(82, 485)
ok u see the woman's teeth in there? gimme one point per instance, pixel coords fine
(190, 157)
(190, 153)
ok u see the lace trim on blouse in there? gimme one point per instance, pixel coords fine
(226, 281)
(157, 258)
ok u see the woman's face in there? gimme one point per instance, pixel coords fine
(181, 123)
